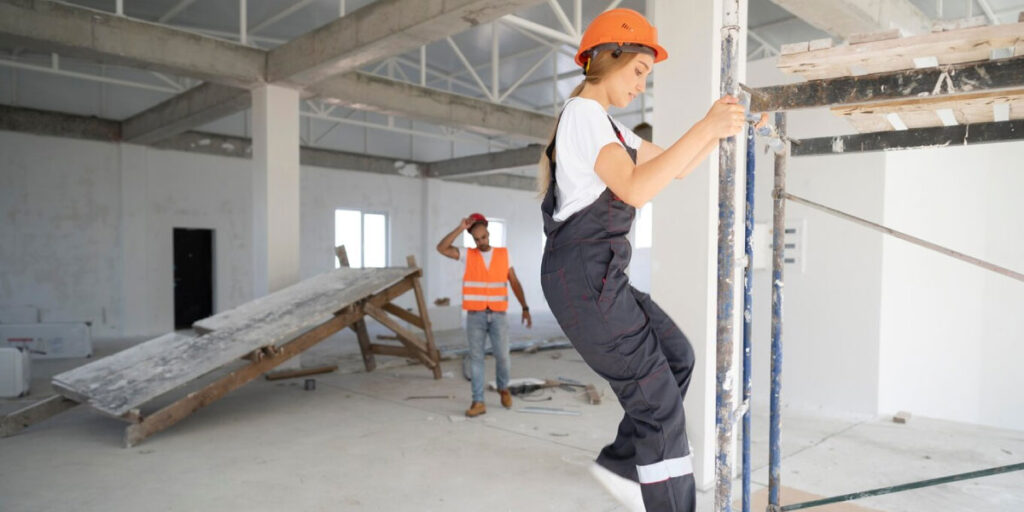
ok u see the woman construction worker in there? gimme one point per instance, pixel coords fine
(594, 174)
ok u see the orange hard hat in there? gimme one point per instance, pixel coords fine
(622, 29)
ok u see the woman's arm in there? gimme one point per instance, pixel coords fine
(647, 151)
(638, 184)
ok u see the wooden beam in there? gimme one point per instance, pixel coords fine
(27, 416)
(359, 327)
(391, 293)
(962, 135)
(403, 313)
(404, 335)
(871, 37)
(897, 85)
(410, 340)
(184, 407)
(342, 255)
(392, 350)
(972, 108)
(428, 330)
(301, 372)
(364, 345)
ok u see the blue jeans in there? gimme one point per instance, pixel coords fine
(479, 326)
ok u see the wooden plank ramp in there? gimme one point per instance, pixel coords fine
(124, 381)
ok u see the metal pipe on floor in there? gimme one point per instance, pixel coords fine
(778, 248)
(905, 487)
(748, 310)
(725, 414)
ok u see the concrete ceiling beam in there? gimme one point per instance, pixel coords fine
(53, 27)
(843, 18)
(375, 94)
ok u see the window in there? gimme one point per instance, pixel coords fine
(365, 237)
(645, 226)
(495, 227)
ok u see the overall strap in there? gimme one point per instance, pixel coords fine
(630, 151)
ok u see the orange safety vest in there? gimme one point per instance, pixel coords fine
(484, 287)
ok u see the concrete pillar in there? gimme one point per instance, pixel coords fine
(275, 192)
(139, 315)
(275, 188)
(684, 250)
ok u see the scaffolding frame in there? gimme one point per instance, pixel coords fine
(995, 75)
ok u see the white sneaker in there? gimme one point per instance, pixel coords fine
(624, 490)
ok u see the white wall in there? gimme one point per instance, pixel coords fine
(875, 325)
(448, 203)
(59, 247)
(88, 228)
(831, 308)
(163, 190)
(326, 190)
(951, 331)
(831, 305)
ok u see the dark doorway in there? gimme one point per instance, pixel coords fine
(193, 276)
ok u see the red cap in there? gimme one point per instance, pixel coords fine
(477, 218)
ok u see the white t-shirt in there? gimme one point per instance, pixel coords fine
(485, 254)
(582, 131)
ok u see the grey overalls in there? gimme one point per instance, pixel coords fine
(626, 338)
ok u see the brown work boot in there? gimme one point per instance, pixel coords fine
(476, 409)
(506, 398)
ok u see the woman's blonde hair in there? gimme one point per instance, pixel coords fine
(601, 65)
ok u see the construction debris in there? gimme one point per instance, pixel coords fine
(548, 410)
(901, 417)
(431, 397)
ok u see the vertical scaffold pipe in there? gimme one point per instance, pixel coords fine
(725, 372)
(778, 249)
(748, 310)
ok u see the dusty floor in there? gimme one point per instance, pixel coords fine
(358, 443)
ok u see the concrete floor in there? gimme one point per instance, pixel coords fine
(357, 443)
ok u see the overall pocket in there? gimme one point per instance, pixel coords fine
(604, 268)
